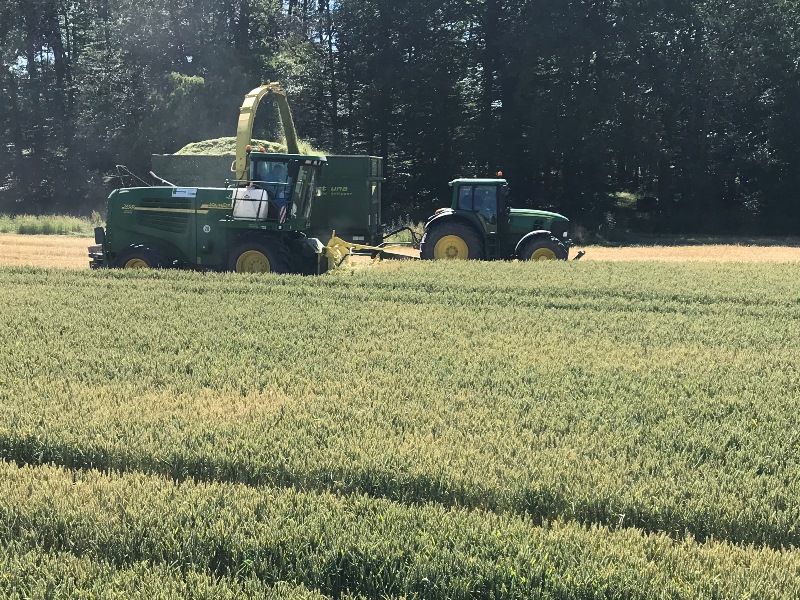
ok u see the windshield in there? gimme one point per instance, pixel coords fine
(269, 171)
(480, 199)
(274, 177)
(287, 185)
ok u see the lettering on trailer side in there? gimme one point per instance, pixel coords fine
(337, 190)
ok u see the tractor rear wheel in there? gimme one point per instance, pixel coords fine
(544, 248)
(455, 241)
(138, 257)
(259, 256)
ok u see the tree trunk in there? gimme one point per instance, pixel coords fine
(488, 59)
(334, 100)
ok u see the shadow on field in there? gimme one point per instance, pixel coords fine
(540, 504)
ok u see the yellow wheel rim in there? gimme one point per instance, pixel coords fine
(252, 261)
(135, 263)
(543, 254)
(451, 247)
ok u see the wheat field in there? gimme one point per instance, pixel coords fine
(592, 429)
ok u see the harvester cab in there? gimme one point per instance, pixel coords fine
(278, 188)
(480, 225)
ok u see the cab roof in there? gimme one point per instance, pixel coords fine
(477, 181)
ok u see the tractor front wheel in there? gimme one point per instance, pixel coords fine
(544, 249)
(454, 241)
(138, 257)
(259, 256)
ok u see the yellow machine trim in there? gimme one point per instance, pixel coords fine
(175, 210)
(252, 261)
(337, 251)
(247, 114)
(543, 254)
(451, 247)
(135, 263)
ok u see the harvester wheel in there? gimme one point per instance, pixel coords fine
(451, 241)
(544, 248)
(138, 257)
(259, 256)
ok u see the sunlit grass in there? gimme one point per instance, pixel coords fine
(48, 225)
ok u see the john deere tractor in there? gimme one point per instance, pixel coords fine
(479, 225)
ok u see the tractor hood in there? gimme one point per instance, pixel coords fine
(524, 222)
(536, 214)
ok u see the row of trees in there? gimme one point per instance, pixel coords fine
(682, 108)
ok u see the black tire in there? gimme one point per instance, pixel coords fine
(139, 257)
(470, 239)
(248, 256)
(544, 248)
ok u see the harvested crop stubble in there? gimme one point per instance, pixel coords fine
(373, 548)
(702, 253)
(70, 252)
(44, 251)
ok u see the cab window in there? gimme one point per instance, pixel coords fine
(269, 171)
(485, 201)
(465, 198)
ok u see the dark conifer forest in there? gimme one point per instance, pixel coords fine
(670, 116)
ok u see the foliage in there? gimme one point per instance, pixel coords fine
(47, 225)
(405, 236)
(687, 105)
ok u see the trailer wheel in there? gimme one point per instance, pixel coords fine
(139, 257)
(451, 241)
(544, 248)
(259, 256)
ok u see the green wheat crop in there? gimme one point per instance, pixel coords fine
(33, 573)
(637, 421)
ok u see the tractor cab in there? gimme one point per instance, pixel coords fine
(279, 188)
(483, 197)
